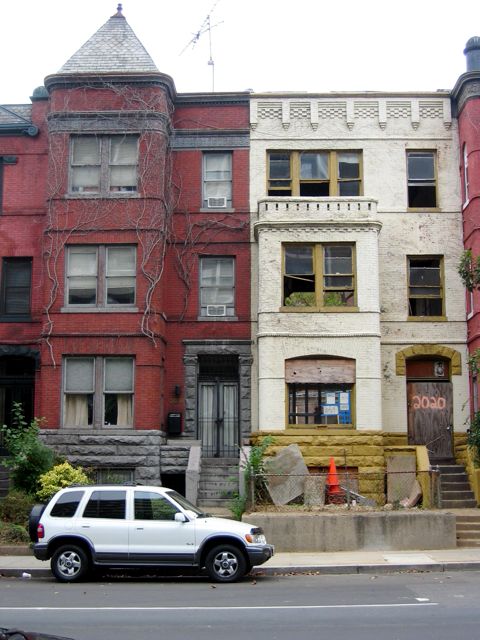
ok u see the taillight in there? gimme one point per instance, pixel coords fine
(40, 531)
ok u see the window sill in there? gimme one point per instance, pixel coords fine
(97, 428)
(217, 318)
(341, 427)
(111, 309)
(427, 319)
(217, 209)
(424, 209)
(96, 196)
(319, 309)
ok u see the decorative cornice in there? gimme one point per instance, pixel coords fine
(291, 334)
(187, 99)
(326, 226)
(467, 87)
(107, 121)
(105, 80)
(205, 139)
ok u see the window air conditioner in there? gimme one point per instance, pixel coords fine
(216, 203)
(216, 310)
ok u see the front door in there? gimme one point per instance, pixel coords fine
(430, 417)
(218, 418)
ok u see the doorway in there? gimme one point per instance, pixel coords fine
(430, 407)
(218, 405)
(17, 375)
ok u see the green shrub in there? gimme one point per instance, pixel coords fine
(11, 533)
(15, 507)
(61, 476)
(28, 457)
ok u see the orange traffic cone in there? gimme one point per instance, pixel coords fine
(335, 494)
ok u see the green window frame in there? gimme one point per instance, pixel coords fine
(314, 173)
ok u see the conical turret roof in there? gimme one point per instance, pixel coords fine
(114, 48)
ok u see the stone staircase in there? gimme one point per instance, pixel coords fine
(468, 530)
(455, 491)
(218, 483)
(4, 479)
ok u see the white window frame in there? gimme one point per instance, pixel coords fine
(466, 184)
(206, 308)
(103, 276)
(223, 199)
(98, 392)
(105, 165)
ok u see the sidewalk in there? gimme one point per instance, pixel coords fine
(340, 562)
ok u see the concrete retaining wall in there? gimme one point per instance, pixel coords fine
(309, 532)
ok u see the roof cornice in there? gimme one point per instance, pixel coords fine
(71, 81)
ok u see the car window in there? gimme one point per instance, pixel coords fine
(106, 504)
(152, 506)
(67, 504)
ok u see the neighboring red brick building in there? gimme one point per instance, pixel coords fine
(126, 263)
(466, 98)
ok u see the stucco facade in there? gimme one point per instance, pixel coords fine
(386, 235)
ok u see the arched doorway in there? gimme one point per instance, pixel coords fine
(430, 405)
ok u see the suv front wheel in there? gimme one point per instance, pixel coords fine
(225, 563)
(69, 563)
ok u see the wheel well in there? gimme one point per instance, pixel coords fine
(60, 542)
(214, 542)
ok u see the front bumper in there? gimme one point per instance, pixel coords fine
(260, 554)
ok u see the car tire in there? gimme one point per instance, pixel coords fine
(69, 563)
(225, 563)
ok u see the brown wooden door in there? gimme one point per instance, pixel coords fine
(430, 417)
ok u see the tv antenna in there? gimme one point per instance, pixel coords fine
(205, 27)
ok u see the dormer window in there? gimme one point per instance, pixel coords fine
(103, 165)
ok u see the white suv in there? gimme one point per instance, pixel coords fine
(140, 526)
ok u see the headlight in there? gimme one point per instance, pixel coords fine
(256, 538)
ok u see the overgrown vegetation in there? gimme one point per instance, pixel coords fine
(473, 436)
(469, 270)
(28, 456)
(15, 507)
(61, 476)
(254, 468)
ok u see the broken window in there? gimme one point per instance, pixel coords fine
(425, 287)
(314, 173)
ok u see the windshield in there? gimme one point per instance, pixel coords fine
(184, 503)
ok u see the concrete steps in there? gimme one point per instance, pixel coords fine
(468, 530)
(218, 482)
(455, 488)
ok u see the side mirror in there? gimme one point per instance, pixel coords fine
(180, 517)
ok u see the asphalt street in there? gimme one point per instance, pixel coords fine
(399, 607)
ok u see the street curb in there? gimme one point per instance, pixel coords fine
(324, 569)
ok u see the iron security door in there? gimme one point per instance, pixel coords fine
(218, 418)
(430, 417)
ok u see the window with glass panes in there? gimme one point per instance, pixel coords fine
(16, 288)
(422, 185)
(100, 276)
(98, 391)
(314, 173)
(319, 276)
(425, 286)
(217, 180)
(103, 164)
(217, 286)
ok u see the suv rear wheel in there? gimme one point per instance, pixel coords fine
(69, 563)
(225, 563)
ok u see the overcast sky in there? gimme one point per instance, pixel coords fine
(264, 45)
